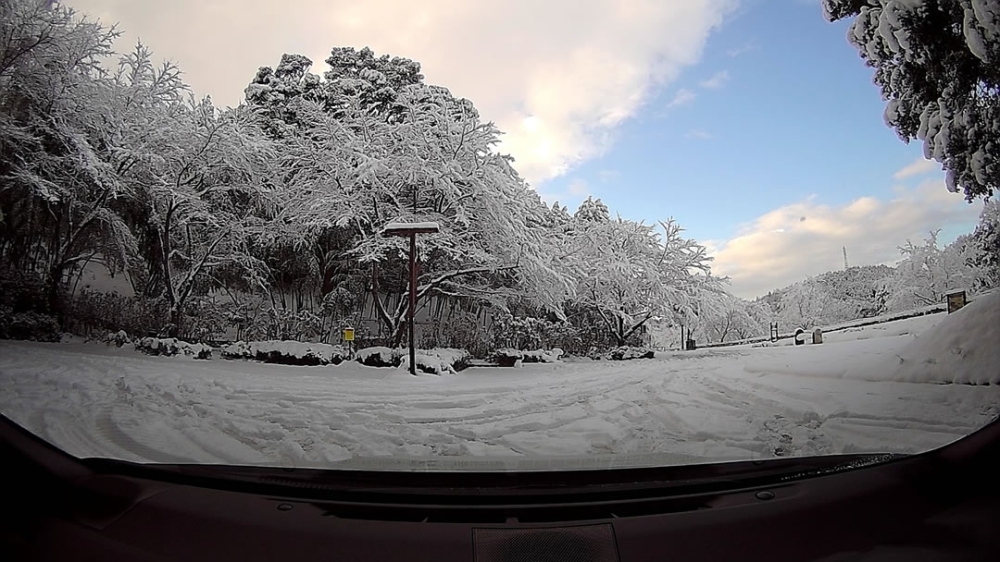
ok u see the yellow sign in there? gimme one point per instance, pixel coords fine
(348, 334)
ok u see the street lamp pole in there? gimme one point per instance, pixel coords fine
(411, 230)
(413, 300)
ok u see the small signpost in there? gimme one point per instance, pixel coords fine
(349, 338)
(956, 300)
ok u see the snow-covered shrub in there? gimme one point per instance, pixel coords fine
(33, 326)
(625, 353)
(438, 361)
(459, 330)
(286, 352)
(172, 346)
(508, 357)
(237, 350)
(118, 338)
(24, 312)
(379, 357)
(536, 333)
(95, 313)
(204, 319)
(542, 356)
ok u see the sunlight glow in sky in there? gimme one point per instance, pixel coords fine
(737, 118)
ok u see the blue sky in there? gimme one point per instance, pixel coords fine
(779, 110)
(797, 114)
(752, 122)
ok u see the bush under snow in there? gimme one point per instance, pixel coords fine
(437, 361)
(172, 346)
(625, 353)
(515, 357)
(286, 352)
(379, 357)
(118, 338)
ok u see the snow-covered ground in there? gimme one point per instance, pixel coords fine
(718, 404)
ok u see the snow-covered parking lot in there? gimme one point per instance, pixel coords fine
(853, 393)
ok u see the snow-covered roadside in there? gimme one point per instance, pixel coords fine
(733, 403)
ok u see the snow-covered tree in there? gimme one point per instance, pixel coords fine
(937, 63)
(628, 273)
(592, 210)
(984, 246)
(436, 162)
(201, 179)
(56, 190)
(726, 317)
(927, 273)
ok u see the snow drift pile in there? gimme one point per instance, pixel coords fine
(964, 348)
(173, 346)
(286, 352)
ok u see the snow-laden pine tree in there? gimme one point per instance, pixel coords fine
(937, 63)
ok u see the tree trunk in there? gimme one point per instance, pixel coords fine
(174, 325)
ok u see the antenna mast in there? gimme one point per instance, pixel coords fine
(845, 258)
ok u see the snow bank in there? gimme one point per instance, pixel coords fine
(963, 348)
(173, 346)
(286, 352)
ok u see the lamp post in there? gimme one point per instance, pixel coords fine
(411, 230)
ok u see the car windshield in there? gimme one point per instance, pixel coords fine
(394, 235)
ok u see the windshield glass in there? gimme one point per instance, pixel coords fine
(455, 236)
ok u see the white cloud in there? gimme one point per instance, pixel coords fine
(576, 191)
(806, 238)
(716, 81)
(699, 134)
(579, 68)
(918, 167)
(682, 97)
